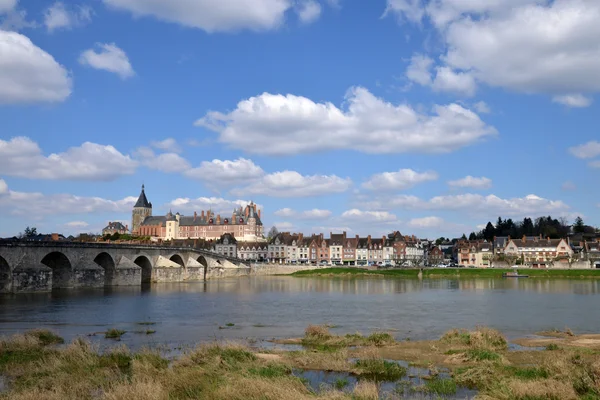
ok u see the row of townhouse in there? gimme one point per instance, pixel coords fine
(530, 251)
(338, 249)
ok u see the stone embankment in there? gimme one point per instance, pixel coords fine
(280, 269)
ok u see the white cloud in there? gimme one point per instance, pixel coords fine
(16, 20)
(471, 182)
(530, 46)
(3, 187)
(419, 69)
(594, 164)
(400, 180)
(38, 205)
(308, 11)
(165, 162)
(284, 212)
(427, 222)
(284, 226)
(369, 125)
(169, 145)
(368, 216)
(211, 15)
(588, 150)
(490, 205)
(447, 80)
(28, 74)
(482, 107)
(23, 158)
(77, 224)
(110, 58)
(216, 204)
(293, 184)
(316, 214)
(576, 100)
(58, 16)
(227, 172)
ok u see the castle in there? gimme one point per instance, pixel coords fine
(244, 224)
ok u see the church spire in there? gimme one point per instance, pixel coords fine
(142, 200)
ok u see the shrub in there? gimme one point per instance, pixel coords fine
(380, 338)
(114, 334)
(441, 387)
(45, 337)
(380, 370)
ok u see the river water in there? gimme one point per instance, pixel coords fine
(281, 306)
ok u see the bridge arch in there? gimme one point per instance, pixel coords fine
(176, 258)
(108, 264)
(202, 260)
(61, 269)
(144, 263)
(5, 276)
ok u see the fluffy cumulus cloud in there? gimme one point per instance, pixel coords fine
(368, 216)
(109, 57)
(441, 78)
(293, 184)
(28, 74)
(489, 206)
(308, 11)
(369, 124)
(316, 213)
(59, 16)
(22, 157)
(169, 145)
(505, 43)
(400, 180)
(227, 172)
(164, 162)
(482, 107)
(38, 205)
(3, 187)
(215, 15)
(573, 100)
(426, 223)
(471, 182)
(216, 204)
(585, 151)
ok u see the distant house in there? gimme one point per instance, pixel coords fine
(539, 252)
(115, 227)
(436, 255)
(226, 245)
(591, 250)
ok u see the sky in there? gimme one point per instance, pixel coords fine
(430, 117)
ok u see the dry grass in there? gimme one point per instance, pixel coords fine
(317, 331)
(366, 390)
(481, 337)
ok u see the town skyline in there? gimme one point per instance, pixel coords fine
(403, 124)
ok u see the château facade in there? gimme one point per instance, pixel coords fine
(244, 224)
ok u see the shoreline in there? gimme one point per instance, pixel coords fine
(436, 273)
(320, 365)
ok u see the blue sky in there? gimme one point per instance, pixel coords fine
(429, 117)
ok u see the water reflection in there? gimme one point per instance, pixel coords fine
(192, 312)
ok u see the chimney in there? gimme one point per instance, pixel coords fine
(218, 219)
(254, 206)
(369, 238)
(247, 211)
(524, 239)
(258, 213)
(233, 221)
(344, 235)
(321, 236)
(55, 237)
(357, 239)
(127, 228)
(202, 214)
(195, 216)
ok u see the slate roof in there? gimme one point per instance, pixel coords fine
(537, 242)
(117, 226)
(142, 200)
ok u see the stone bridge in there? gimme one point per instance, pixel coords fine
(43, 266)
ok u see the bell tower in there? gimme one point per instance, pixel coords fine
(141, 210)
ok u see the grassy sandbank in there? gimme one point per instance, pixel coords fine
(34, 368)
(449, 273)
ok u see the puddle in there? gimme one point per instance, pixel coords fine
(518, 347)
(404, 388)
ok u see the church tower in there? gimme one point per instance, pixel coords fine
(141, 210)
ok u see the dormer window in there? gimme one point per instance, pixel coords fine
(226, 221)
(210, 221)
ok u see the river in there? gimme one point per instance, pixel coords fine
(281, 306)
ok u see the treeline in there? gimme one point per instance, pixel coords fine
(544, 226)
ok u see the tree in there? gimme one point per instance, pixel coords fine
(472, 236)
(273, 232)
(29, 232)
(464, 237)
(579, 226)
(489, 232)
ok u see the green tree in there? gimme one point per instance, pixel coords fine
(579, 226)
(29, 232)
(489, 232)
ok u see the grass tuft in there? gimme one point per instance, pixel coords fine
(380, 338)
(114, 334)
(441, 387)
(271, 371)
(552, 346)
(482, 355)
(45, 337)
(379, 370)
(341, 383)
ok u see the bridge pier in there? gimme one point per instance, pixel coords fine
(32, 278)
(127, 273)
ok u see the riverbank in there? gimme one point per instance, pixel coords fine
(321, 365)
(450, 272)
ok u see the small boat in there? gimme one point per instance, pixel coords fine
(514, 274)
